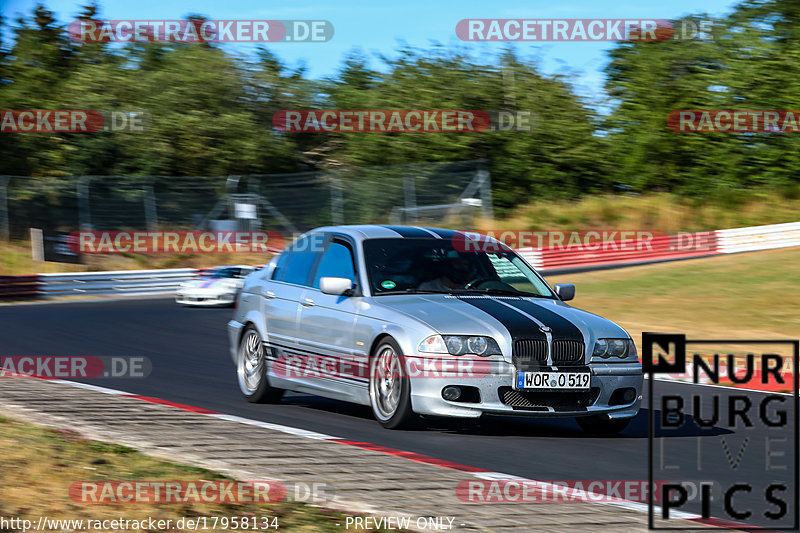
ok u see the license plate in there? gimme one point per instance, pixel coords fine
(553, 380)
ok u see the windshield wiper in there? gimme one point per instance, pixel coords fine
(506, 291)
(413, 291)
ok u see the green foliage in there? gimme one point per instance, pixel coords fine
(211, 111)
(748, 62)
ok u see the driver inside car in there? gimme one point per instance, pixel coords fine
(456, 272)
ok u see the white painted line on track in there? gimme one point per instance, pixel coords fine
(95, 388)
(276, 427)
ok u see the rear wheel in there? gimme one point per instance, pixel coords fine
(251, 370)
(389, 387)
(602, 424)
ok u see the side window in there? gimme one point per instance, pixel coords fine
(336, 262)
(301, 257)
(278, 272)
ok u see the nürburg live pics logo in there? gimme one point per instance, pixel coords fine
(723, 432)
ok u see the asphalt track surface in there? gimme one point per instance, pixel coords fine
(188, 349)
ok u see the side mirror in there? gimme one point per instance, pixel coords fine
(336, 286)
(565, 291)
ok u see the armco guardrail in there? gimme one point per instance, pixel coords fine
(19, 287)
(123, 282)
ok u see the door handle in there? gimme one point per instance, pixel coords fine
(269, 294)
(307, 302)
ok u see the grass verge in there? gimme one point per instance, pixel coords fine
(658, 211)
(39, 465)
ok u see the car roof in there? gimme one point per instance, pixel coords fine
(375, 231)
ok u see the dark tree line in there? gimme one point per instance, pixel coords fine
(212, 111)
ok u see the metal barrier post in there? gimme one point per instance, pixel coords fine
(486, 194)
(5, 226)
(150, 213)
(410, 194)
(337, 202)
(84, 215)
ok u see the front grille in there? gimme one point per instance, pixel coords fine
(568, 352)
(527, 350)
(529, 354)
(541, 400)
(532, 353)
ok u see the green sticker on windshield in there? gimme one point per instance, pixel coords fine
(388, 284)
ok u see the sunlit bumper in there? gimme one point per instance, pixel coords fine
(498, 396)
(206, 297)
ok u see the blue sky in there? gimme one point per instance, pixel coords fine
(378, 26)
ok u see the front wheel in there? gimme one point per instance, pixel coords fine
(251, 370)
(602, 424)
(389, 387)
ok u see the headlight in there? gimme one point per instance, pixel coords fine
(433, 344)
(620, 348)
(460, 345)
(455, 345)
(600, 348)
(477, 345)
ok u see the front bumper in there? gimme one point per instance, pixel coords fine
(205, 297)
(234, 333)
(497, 395)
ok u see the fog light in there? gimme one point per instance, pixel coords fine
(629, 395)
(622, 396)
(451, 393)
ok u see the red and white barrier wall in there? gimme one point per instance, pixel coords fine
(664, 248)
(758, 238)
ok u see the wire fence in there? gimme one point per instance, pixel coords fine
(451, 193)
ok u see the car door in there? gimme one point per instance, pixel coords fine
(281, 295)
(327, 322)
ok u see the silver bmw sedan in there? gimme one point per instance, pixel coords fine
(425, 322)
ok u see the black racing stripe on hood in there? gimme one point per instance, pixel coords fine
(562, 328)
(410, 232)
(518, 325)
(443, 233)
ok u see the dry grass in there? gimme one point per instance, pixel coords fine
(39, 465)
(661, 212)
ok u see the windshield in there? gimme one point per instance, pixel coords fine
(435, 265)
(230, 273)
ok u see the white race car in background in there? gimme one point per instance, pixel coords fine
(218, 287)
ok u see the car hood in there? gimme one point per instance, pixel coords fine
(508, 317)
